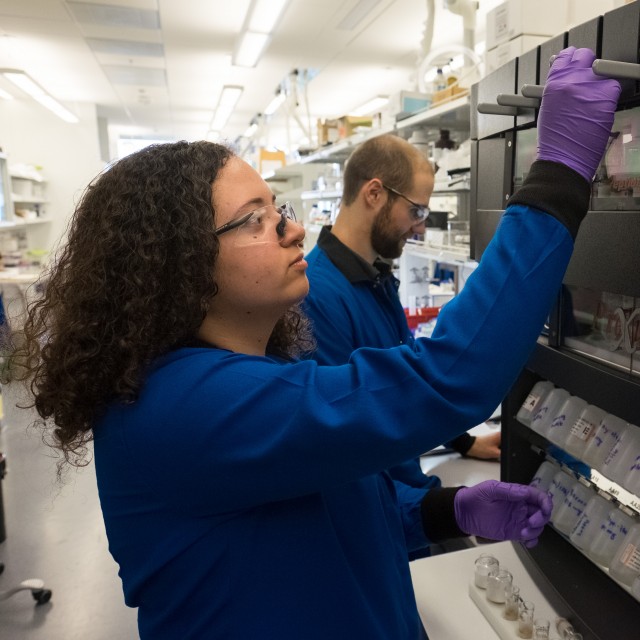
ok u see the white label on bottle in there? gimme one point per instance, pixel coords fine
(582, 429)
(631, 557)
(530, 403)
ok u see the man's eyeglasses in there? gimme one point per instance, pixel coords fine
(418, 212)
(266, 224)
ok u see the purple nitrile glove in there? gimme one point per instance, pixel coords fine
(576, 113)
(503, 511)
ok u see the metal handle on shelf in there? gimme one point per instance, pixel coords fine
(511, 100)
(615, 69)
(532, 90)
(489, 108)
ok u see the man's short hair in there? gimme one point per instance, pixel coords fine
(388, 157)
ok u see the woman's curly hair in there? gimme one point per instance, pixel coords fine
(133, 281)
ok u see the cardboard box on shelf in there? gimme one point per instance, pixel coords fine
(269, 161)
(327, 132)
(347, 125)
(451, 92)
(501, 54)
(514, 18)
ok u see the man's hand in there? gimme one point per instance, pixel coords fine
(486, 447)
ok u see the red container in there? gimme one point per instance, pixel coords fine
(422, 314)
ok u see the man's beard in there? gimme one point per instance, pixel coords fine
(384, 239)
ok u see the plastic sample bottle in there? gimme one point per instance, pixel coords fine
(605, 438)
(583, 429)
(588, 524)
(544, 475)
(548, 410)
(612, 533)
(623, 455)
(625, 565)
(632, 480)
(532, 401)
(572, 507)
(560, 486)
(561, 424)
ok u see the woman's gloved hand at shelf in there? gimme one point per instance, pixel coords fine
(576, 113)
(503, 511)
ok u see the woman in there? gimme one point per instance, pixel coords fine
(241, 489)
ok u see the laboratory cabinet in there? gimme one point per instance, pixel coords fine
(23, 221)
(576, 403)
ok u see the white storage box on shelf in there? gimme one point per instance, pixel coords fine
(496, 57)
(523, 17)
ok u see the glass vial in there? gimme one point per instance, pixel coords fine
(541, 629)
(511, 602)
(485, 564)
(497, 584)
(525, 619)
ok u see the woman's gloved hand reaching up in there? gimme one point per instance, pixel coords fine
(503, 511)
(576, 113)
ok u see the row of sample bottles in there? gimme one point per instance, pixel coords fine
(608, 534)
(602, 440)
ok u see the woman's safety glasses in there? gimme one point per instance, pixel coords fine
(266, 224)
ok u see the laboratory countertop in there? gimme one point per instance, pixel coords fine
(443, 583)
(454, 470)
(444, 589)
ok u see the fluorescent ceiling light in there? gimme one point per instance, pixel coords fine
(250, 49)
(251, 129)
(275, 104)
(370, 107)
(359, 12)
(265, 14)
(226, 104)
(4, 95)
(32, 88)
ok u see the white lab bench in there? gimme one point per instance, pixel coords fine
(442, 587)
(442, 583)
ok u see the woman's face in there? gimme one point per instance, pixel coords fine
(260, 266)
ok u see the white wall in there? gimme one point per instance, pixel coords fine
(68, 154)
